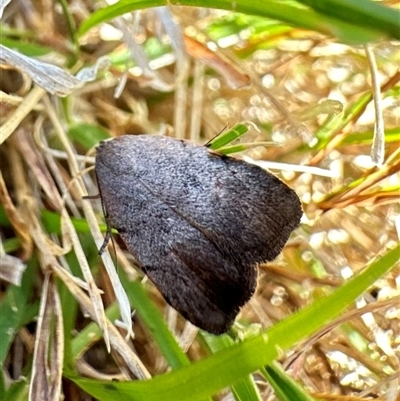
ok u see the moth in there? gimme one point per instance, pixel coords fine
(197, 223)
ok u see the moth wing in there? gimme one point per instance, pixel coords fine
(183, 260)
(192, 274)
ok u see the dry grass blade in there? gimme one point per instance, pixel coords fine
(20, 113)
(378, 144)
(14, 216)
(92, 287)
(236, 78)
(94, 291)
(26, 146)
(3, 4)
(359, 193)
(46, 377)
(11, 268)
(117, 342)
(50, 77)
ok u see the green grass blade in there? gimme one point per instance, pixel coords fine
(18, 391)
(285, 388)
(360, 13)
(291, 13)
(52, 223)
(252, 353)
(91, 333)
(155, 323)
(244, 389)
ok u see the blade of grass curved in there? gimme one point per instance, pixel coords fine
(291, 13)
(210, 375)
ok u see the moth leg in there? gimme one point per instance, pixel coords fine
(107, 239)
(91, 197)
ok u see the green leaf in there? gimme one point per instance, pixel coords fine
(27, 48)
(3, 218)
(88, 135)
(18, 391)
(227, 137)
(52, 223)
(11, 245)
(15, 310)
